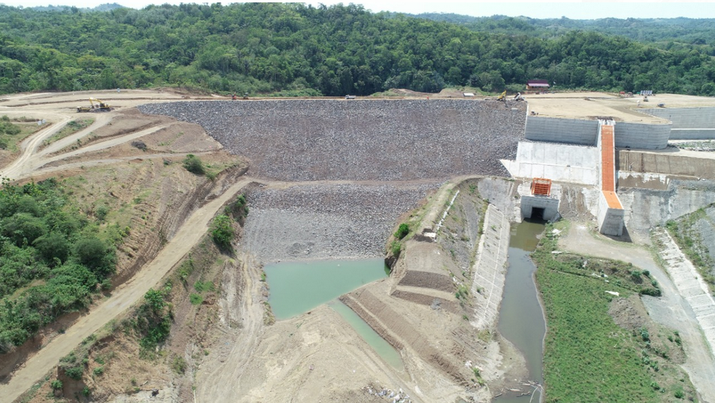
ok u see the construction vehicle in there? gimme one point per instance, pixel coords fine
(502, 97)
(95, 106)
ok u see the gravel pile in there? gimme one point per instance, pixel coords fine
(307, 140)
(326, 221)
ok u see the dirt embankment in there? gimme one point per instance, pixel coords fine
(430, 285)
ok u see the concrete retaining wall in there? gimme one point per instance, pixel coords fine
(610, 221)
(693, 118)
(692, 134)
(643, 136)
(571, 131)
(665, 163)
(490, 269)
(585, 132)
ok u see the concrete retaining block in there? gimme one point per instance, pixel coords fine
(694, 118)
(610, 220)
(572, 131)
(692, 134)
(643, 136)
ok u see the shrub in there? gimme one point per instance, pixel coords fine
(53, 246)
(75, 372)
(98, 371)
(101, 212)
(23, 227)
(179, 365)
(402, 231)
(93, 253)
(139, 144)
(153, 322)
(462, 292)
(9, 128)
(653, 292)
(203, 286)
(222, 231)
(396, 248)
(196, 299)
(56, 384)
(239, 209)
(194, 165)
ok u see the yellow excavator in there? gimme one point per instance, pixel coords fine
(502, 97)
(95, 106)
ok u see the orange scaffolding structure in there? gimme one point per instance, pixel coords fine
(541, 187)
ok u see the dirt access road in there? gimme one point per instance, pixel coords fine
(671, 309)
(122, 298)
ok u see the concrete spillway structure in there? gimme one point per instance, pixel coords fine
(610, 210)
(540, 200)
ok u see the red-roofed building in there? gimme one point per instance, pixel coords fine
(538, 85)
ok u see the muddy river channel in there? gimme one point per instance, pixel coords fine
(521, 317)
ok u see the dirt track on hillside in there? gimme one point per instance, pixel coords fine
(123, 297)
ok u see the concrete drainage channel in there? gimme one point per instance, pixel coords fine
(690, 285)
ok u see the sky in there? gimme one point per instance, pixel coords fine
(533, 9)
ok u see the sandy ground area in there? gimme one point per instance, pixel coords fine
(588, 105)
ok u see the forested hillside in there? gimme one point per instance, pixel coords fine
(666, 33)
(52, 258)
(293, 49)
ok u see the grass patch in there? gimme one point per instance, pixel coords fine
(70, 128)
(204, 286)
(587, 356)
(13, 133)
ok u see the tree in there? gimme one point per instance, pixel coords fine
(95, 254)
(222, 231)
(53, 246)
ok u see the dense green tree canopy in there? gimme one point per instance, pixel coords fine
(299, 49)
(51, 259)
